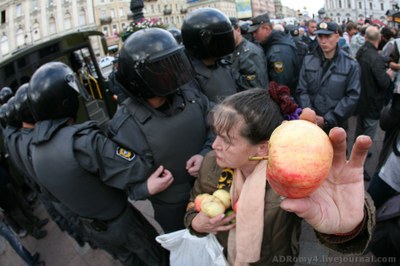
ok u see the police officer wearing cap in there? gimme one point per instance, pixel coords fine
(163, 121)
(248, 61)
(207, 35)
(88, 172)
(329, 80)
(280, 50)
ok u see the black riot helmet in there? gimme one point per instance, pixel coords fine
(207, 33)
(53, 92)
(152, 63)
(5, 94)
(11, 114)
(24, 114)
(177, 34)
(3, 118)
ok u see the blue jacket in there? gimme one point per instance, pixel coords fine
(333, 93)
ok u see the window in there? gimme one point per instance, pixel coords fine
(105, 31)
(19, 37)
(82, 17)
(51, 3)
(34, 4)
(370, 5)
(3, 17)
(103, 13)
(4, 45)
(112, 13)
(121, 12)
(382, 6)
(67, 21)
(340, 4)
(359, 5)
(348, 4)
(52, 26)
(18, 10)
(115, 30)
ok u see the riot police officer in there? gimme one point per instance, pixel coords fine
(207, 35)
(5, 94)
(86, 171)
(163, 121)
(19, 149)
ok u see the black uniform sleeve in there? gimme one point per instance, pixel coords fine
(207, 106)
(115, 165)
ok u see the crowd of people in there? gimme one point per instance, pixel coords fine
(194, 104)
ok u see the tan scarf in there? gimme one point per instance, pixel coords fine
(244, 241)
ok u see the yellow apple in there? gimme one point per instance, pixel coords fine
(299, 159)
(212, 206)
(223, 196)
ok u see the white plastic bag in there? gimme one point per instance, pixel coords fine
(187, 249)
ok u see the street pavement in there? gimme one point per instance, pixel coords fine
(58, 249)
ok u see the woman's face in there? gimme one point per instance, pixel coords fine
(233, 151)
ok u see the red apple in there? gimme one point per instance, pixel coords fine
(300, 157)
(235, 206)
(197, 201)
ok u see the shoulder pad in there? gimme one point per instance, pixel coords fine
(118, 119)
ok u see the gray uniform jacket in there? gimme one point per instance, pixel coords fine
(99, 161)
(249, 64)
(333, 93)
(166, 137)
(217, 81)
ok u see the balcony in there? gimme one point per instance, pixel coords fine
(167, 11)
(105, 20)
(184, 10)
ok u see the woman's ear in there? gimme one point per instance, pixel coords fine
(262, 148)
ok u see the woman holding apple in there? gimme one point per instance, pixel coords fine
(268, 226)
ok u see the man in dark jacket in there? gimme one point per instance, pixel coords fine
(280, 51)
(329, 80)
(375, 82)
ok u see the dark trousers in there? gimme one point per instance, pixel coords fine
(131, 239)
(16, 244)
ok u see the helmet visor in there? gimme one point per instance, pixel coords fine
(220, 44)
(164, 75)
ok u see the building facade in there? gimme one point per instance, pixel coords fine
(27, 22)
(228, 7)
(355, 10)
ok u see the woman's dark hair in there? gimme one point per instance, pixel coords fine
(260, 115)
